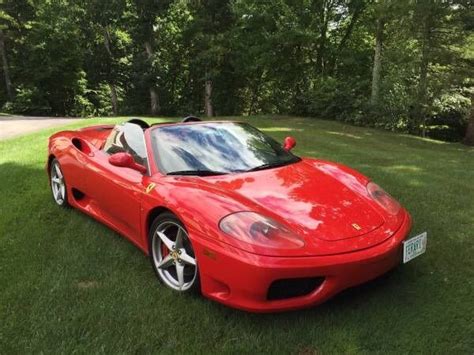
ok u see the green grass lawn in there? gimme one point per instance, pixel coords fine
(69, 284)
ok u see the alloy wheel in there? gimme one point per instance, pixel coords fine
(173, 256)
(58, 185)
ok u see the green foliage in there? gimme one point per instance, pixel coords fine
(304, 57)
(28, 100)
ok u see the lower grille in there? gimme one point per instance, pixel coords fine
(288, 288)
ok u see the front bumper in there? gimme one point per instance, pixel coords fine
(242, 280)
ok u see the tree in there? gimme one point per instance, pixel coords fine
(325, 9)
(144, 33)
(377, 67)
(12, 17)
(437, 32)
(469, 137)
(211, 21)
(383, 9)
(425, 13)
(42, 35)
(6, 67)
(106, 43)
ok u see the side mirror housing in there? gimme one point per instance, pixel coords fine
(125, 160)
(289, 143)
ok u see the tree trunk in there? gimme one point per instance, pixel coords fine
(113, 89)
(6, 69)
(113, 98)
(208, 98)
(154, 102)
(469, 137)
(421, 102)
(324, 22)
(255, 90)
(149, 49)
(107, 42)
(154, 99)
(377, 66)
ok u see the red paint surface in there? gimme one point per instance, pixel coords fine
(316, 199)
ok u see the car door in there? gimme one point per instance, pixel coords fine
(118, 191)
(73, 161)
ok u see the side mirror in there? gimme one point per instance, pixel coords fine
(125, 160)
(289, 143)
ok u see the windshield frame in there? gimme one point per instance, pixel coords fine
(156, 155)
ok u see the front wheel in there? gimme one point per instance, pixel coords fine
(172, 254)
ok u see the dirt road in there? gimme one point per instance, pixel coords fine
(14, 126)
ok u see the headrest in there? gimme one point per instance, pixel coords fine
(191, 119)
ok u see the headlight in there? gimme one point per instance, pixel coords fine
(253, 228)
(388, 203)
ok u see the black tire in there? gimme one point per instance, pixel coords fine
(166, 276)
(58, 184)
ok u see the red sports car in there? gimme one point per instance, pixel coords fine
(223, 209)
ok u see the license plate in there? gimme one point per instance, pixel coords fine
(414, 247)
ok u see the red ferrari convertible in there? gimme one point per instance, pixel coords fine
(223, 209)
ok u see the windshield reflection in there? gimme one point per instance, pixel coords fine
(220, 147)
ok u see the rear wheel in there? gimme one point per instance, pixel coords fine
(172, 254)
(58, 184)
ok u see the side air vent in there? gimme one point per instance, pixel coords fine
(80, 145)
(78, 195)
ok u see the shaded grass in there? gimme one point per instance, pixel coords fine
(70, 284)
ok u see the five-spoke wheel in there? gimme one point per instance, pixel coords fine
(58, 184)
(172, 254)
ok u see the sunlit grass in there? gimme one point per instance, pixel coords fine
(344, 134)
(69, 284)
(280, 129)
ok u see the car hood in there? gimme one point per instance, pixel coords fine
(318, 199)
(325, 203)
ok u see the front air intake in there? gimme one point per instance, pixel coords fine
(289, 288)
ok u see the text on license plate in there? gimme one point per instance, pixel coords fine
(414, 247)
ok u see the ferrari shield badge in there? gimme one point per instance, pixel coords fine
(150, 187)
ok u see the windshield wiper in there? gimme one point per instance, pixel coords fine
(197, 172)
(273, 165)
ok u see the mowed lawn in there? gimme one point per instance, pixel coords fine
(69, 284)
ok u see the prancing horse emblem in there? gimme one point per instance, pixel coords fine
(149, 188)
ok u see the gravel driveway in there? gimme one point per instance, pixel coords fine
(13, 126)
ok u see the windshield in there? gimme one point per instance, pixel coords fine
(217, 148)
